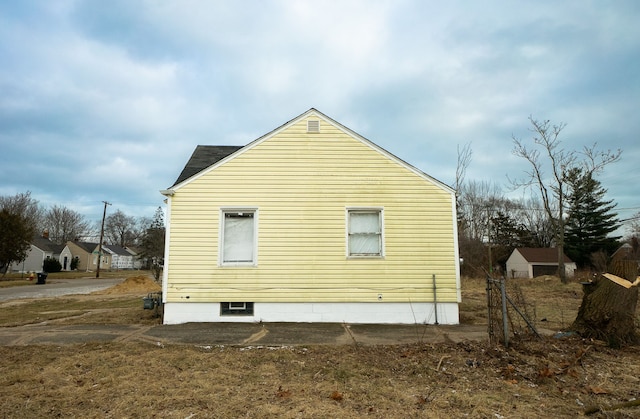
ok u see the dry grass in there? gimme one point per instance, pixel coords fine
(120, 304)
(552, 305)
(547, 378)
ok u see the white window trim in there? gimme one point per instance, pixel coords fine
(237, 306)
(225, 210)
(382, 228)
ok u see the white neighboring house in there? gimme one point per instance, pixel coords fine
(120, 257)
(65, 258)
(530, 262)
(40, 248)
(138, 260)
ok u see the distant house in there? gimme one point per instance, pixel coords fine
(65, 258)
(40, 248)
(121, 258)
(137, 259)
(87, 254)
(628, 251)
(528, 262)
(309, 223)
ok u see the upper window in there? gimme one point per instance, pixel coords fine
(365, 233)
(238, 237)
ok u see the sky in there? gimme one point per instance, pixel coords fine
(106, 101)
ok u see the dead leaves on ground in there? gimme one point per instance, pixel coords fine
(283, 393)
(565, 367)
(337, 396)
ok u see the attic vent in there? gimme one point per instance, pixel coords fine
(313, 126)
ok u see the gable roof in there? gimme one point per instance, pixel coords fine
(206, 158)
(133, 250)
(626, 251)
(87, 247)
(118, 250)
(46, 245)
(542, 254)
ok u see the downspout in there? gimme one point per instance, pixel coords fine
(167, 238)
(435, 299)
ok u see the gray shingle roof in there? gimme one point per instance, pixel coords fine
(47, 245)
(204, 156)
(88, 247)
(118, 250)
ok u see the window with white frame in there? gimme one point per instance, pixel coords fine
(238, 237)
(365, 232)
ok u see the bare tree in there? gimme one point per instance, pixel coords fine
(535, 220)
(476, 201)
(120, 229)
(634, 224)
(546, 154)
(464, 159)
(65, 224)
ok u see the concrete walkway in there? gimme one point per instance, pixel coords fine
(211, 334)
(242, 334)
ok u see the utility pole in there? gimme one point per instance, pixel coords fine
(104, 215)
(489, 241)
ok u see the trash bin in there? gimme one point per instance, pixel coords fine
(149, 302)
(42, 278)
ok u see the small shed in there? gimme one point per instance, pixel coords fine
(529, 262)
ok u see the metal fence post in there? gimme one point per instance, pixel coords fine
(505, 325)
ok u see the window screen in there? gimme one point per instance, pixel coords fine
(365, 233)
(238, 242)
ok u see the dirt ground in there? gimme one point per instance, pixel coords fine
(548, 377)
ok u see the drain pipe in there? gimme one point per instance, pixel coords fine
(435, 299)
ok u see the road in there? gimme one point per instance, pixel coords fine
(58, 287)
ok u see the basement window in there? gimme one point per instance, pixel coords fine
(236, 309)
(313, 126)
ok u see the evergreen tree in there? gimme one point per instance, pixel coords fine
(590, 220)
(506, 234)
(19, 221)
(153, 243)
(15, 234)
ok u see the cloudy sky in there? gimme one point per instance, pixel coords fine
(105, 101)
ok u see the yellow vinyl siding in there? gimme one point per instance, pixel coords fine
(301, 183)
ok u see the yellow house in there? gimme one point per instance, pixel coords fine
(87, 254)
(309, 223)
